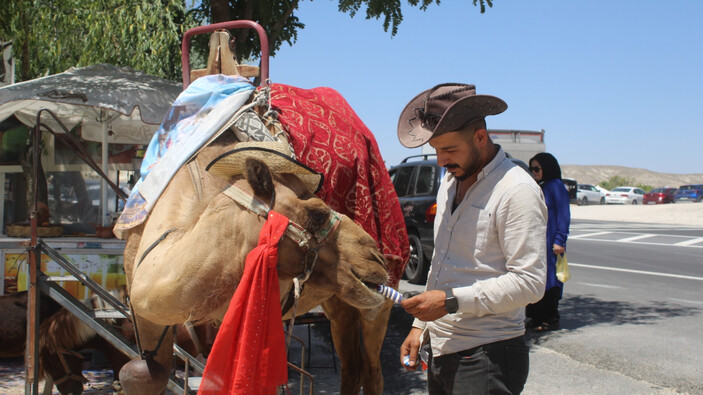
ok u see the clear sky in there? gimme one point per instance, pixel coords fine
(611, 82)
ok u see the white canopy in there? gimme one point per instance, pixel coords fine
(127, 103)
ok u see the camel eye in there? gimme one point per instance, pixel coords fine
(317, 218)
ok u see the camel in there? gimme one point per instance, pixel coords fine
(184, 263)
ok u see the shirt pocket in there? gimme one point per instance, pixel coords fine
(472, 228)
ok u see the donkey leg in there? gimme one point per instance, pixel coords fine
(345, 325)
(150, 375)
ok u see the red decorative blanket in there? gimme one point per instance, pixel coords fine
(329, 137)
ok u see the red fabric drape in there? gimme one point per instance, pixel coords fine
(328, 136)
(249, 355)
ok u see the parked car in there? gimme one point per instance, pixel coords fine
(572, 188)
(416, 180)
(625, 195)
(601, 189)
(589, 194)
(689, 193)
(659, 196)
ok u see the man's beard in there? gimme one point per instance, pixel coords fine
(473, 167)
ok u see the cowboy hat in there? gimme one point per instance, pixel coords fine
(277, 155)
(444, 108)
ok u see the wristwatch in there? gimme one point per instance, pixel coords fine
(450, 303)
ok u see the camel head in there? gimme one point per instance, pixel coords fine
(343, 258)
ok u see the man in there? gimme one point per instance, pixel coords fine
(489, 257)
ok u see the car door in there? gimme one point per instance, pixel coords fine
(598, 197)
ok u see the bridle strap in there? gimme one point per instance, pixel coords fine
(294, 231)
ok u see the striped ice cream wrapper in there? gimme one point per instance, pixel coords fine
(390, 293)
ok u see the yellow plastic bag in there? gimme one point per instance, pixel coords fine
(563, 273)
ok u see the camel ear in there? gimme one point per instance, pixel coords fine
(259, 177)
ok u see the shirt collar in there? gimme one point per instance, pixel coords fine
(493, 164)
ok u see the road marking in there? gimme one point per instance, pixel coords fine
(638, 237)
(679, 244)
(600, 285)
(616, 269)
(689, 242)
(589, 235)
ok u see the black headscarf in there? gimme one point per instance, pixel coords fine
(550, 166)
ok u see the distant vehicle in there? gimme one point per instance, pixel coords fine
(601, 189)
(572, 188)
(416, 181)
(625, 195)
(589, 194)
(659, 196)
(689, 193)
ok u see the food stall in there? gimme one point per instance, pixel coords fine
(113, 113)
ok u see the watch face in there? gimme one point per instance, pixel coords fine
(451, 305)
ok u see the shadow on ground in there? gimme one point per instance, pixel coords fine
(582, 311)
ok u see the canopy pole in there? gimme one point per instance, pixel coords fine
(104, 165)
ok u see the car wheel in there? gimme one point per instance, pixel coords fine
(634, 201)
(602, 200)
(583, 201)
(416, 269)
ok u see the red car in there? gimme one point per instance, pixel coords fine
(659, 195)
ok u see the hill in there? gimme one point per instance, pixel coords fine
(587, 174)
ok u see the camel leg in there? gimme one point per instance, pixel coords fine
(345, 326)
(360, 360)
(149, 376)
(373, 333)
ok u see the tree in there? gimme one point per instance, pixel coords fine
(281, 24)
(49, 36)
(616, 181)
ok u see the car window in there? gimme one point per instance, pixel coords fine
(640, 191)
(425, 180)
(402, 180)
(619, 189)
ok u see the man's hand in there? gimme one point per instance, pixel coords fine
(410, 348)
(427, 306)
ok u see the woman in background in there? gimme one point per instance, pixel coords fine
(544, 315)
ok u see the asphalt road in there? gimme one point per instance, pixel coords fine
(631, 319)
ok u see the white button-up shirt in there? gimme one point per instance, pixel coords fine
(491, 252)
